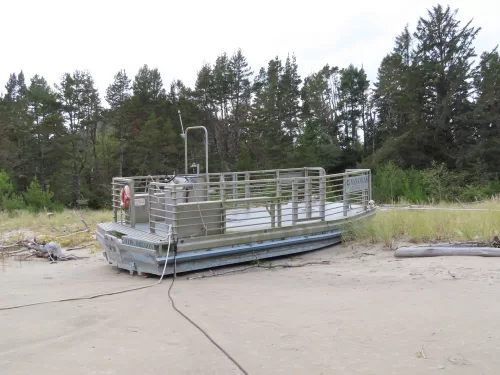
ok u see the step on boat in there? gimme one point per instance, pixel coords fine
(206, 220)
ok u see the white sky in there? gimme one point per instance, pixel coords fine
(51, 37)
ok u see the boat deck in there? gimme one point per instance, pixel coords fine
(140, 233)
(251, 219)
(243, 220)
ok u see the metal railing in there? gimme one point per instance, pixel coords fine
(245, 201)
(119, 214)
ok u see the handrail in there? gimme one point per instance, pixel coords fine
(264, 179)
(216, 203)
(206, 147)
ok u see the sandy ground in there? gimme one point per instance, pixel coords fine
(365, 313)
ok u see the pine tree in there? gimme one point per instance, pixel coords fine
(444, 51)
(148, 86)
(48, 146)
(18, 130)
(81, 113)
(486, 149)
(117, 96)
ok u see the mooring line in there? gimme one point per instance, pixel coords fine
(197, 326)
(144, 287)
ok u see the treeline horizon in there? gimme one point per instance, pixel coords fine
(430, 122)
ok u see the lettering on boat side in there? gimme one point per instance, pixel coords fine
(144, 245)
(356, 183)
(140, 202)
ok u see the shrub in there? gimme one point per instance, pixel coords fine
(12, 203)
(9, 201)
(38, 199)
(435, 184)
(6, 187)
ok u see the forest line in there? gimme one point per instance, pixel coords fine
(428, 125)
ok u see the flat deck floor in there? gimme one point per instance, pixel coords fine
(258, 218)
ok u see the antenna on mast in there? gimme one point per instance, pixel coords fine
(183, 135)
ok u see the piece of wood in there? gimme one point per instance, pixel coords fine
(269, 267)
(81, 219)
(437, 251)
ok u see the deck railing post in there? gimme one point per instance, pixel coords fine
(370, 185)
(113, 197)
(152, 222)
(306, 175)
(132, 203)
(235, 187)
(247, 188)
(345, 195)
(365, 194)
(278, 199)
(175, 224)
(295, 201)
(272, 213)
(222, 189)
(322, 196)
(308, 197)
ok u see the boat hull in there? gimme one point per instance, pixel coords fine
(148, 255)
(137, 260)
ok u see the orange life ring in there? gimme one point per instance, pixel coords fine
(125, 197)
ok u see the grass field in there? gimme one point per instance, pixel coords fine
(67, 228)
(449, 223)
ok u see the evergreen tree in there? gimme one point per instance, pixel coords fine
(444, 51)
(48, 135)
(81, 112)
(486, 149)
(117, 96)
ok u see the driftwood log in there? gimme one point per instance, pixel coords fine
(437, 251)
(51, 250)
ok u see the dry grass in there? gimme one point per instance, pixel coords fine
(387, 227)
(57, 227)
(431, 225)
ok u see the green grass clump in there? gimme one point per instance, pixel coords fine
(429, 225)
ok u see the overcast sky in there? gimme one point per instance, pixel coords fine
(50, 37)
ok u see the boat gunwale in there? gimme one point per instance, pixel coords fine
(238, 238)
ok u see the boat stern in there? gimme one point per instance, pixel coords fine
(135, 252)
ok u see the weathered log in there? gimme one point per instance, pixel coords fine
(437, 251)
